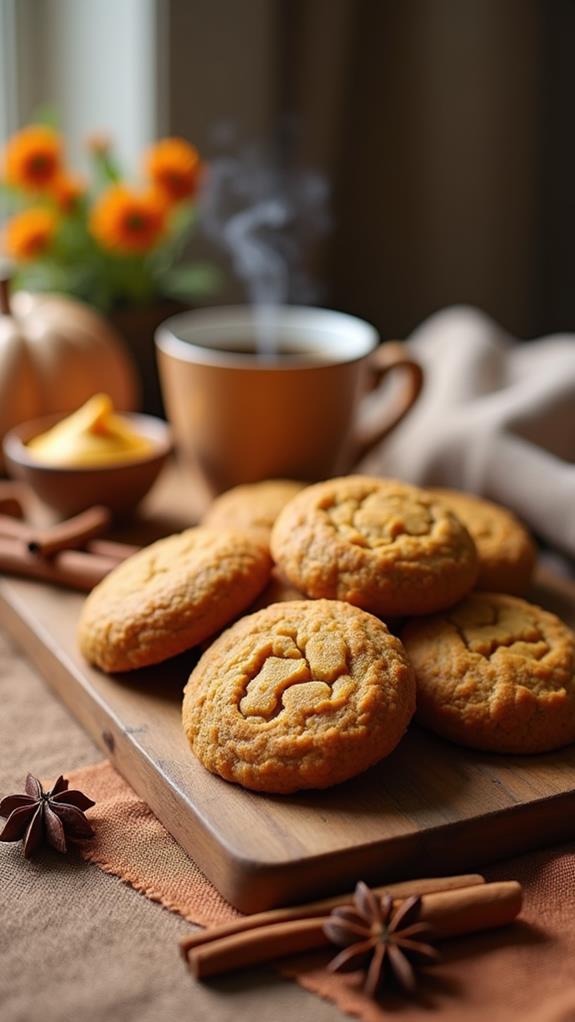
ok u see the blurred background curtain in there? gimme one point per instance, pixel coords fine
(445, 128)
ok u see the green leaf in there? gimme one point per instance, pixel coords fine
(191, 281)
(106, 168)
(47, 115)
(43, 276)
(183, 219)
(10, 191)
(12, 200)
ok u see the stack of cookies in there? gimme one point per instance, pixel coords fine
(312, 687)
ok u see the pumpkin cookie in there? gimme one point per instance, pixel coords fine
(254, 506)
(388, 547)
(170, 596)
(506, 551)
(300, 695)
(495, 673)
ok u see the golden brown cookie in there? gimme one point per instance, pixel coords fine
(388, 547)
(253, 506)
(170, 596)
(495, 673)
(299, 695)
(506, 551)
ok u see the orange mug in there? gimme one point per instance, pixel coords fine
(240, 415)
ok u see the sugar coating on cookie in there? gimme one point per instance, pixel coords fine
(495, 673)
(299, 695)
(382, 545)
(506, 551)
(252, 506)
(170, 596)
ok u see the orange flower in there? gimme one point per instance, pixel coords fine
(174, 165)
(29, 234)
(67, 190)
(127, 222)
(33, 158)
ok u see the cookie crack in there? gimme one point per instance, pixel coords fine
(393, 525)
(278, 677)
(497, 644)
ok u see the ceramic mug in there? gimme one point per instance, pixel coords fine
(241, 416)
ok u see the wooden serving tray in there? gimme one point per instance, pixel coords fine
(431, 807)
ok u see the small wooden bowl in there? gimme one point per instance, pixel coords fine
(120, 486)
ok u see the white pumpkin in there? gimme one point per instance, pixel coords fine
(55, 353)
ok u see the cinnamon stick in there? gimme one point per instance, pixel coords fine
(74, 568)
(14, 529)
(402, 889)
(109, 548)
(11, 500)
(452, 913)
(74, 532)
(254, 947)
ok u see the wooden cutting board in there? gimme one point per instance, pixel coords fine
(429, 808)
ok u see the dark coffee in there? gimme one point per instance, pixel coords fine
(287, 351)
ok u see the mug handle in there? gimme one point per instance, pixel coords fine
(387, 358)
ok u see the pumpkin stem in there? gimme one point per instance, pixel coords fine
(5, 309)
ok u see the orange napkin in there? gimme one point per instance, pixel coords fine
(133, 845)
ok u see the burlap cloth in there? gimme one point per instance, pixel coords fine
(76, 943)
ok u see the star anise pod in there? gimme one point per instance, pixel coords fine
(55, 816)
(379, 938)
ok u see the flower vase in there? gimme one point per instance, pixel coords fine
(137, 325)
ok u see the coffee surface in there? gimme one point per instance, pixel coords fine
(283, 351)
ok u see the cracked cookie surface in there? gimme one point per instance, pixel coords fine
(506, 551)
(302, 694)
(495, 673)
(171, 596)
(382, 545)
(252, 506)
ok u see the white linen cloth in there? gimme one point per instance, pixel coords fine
(496, 417)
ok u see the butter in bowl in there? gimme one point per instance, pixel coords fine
(94, 456)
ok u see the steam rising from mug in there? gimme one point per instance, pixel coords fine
(266, 217)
